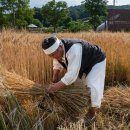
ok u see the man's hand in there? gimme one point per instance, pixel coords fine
(55, 87)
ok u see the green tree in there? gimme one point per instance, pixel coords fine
(3, 17)
(18, 12)
(37, 22)
(38, 14)
(78, 12)
(76, 26)
(23, 14)
(55, 13)
(97, 9)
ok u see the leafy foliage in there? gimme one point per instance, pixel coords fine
(37, 23)
(55, 13)
(76, 26)
(96, 9)
(16, 12)
(78, 12)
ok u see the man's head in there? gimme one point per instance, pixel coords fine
(52, 47)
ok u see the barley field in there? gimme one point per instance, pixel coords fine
(21, 53)
(23, 65)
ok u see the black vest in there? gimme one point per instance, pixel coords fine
(91, 54)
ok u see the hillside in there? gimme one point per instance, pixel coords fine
(79, 12)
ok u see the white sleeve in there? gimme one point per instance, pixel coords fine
(74, 56)
(57, 65)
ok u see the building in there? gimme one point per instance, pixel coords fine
(118, 20)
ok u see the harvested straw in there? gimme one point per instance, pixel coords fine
(12, 115)
(114, 113)
(117, 101)
(66, 105)
(115, 110)
(14, 81)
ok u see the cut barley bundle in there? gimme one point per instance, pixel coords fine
(73, 95)
(14, 82)
(66, 104)
(69, 103)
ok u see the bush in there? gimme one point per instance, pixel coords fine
(76, 26)
(47, 30)
(37, 23)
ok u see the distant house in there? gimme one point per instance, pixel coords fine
(33, 28)
(102, 27)
(117, 20)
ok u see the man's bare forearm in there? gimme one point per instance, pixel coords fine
(56, 75)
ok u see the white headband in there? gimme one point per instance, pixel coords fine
(52, 48)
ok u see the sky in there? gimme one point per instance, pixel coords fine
(40, 3)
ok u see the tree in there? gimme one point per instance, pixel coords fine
(18, 12)
(97, 10)
(37, 22)
(4, 22)
(23, 14)
(55, 13)
(78, 12)
(38, 14)
(76, 26)
(1, 17)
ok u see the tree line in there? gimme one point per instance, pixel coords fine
(53, 16)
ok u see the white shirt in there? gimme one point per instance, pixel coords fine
(74, 56)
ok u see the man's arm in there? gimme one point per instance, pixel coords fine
(56, 71)
(74, 57)
(56, 76)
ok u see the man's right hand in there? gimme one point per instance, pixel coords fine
(56, 77)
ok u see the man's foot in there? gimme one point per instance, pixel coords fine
(90, 117)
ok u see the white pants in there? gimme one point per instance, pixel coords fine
(95, 81)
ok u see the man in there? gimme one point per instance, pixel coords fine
(79, 58)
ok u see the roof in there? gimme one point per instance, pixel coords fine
(32, 26)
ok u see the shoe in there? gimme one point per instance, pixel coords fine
(89, 119)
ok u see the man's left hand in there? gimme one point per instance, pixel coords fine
(55, 87)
